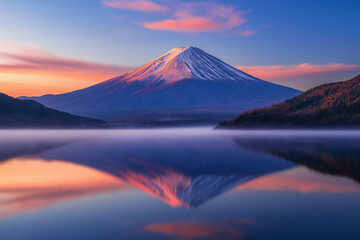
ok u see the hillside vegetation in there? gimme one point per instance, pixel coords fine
(334, 104)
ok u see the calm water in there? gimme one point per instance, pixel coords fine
(179, 184)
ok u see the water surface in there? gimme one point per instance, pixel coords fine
(179, 184)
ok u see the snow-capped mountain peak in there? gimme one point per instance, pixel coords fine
(183, 85)
(185, 63)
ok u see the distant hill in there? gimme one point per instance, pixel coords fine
(329, 105)
(15, 113)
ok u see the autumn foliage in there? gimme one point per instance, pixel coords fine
(333, 104)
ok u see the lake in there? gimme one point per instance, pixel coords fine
(185, 183)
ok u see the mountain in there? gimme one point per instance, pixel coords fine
(183, 85)
(329, 105)
(16, 113)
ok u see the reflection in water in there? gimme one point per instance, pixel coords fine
(183, 168)
(301, 180)
(185, 171)
(15, 146)
(202, 230)
(335, 155)
(181, 171)
(31, 184)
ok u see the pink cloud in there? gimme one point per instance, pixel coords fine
(185, 25)
(30, 70)
(16, 58)
(137, 5)
(38, 64)
(305, 70)
(193, 17)
(247, 33)
(200, 17)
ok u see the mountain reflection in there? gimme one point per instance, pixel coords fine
(181, 169)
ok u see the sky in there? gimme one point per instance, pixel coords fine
(63, 45)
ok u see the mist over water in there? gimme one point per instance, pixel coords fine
(180, 183)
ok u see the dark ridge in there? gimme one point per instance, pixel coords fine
(15, 113)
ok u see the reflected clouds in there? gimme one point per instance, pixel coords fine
(183, 168)
(193, 229)
(33, 184)
(303, 181)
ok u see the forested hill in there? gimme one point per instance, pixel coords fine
(329, 105)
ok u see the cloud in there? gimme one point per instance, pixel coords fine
(193, 17)
(185, 25)
(303, 76)
(137, 5)
(247, 33)
(304, 70)
(200, 17)
(23, 64)
(35, 60)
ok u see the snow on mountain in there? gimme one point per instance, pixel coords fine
(183, 85)
(185, 63)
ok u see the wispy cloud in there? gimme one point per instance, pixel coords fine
(201, 17)
(193, 17)
(287, 72)
(195, 24)
(137, 5)
(31, 62)
(32, 59)
(305, 75)
(247, 33)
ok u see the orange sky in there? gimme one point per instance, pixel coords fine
(33, 71)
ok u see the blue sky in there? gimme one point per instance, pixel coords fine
(281, 33)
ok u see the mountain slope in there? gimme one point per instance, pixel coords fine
(185, 84)
(28, 113)
(333, 104)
